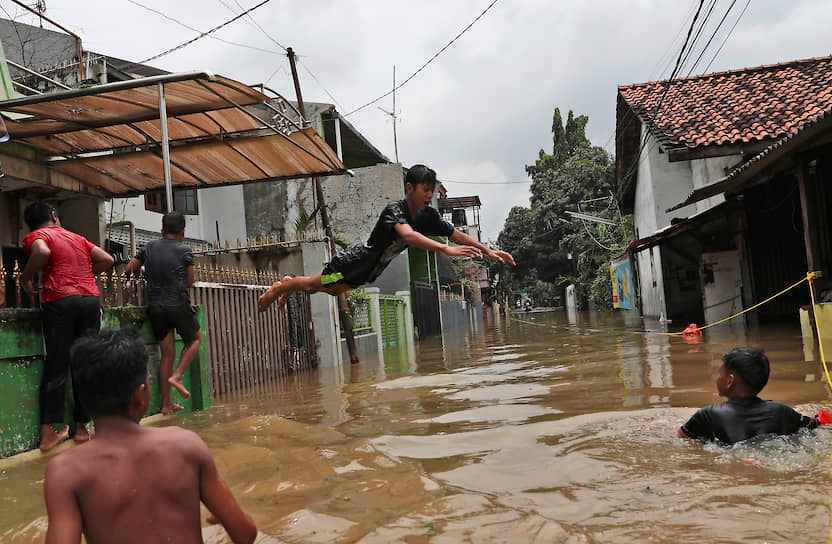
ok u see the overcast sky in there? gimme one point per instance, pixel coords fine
(482, 109)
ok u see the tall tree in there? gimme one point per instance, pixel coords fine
(575, 177)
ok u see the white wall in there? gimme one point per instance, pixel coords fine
(661, 185)
(223, 204)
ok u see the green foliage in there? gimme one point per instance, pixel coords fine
(550, 246)
(340, 242)
(468, 273)
(302, 222)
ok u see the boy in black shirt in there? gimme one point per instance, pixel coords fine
(169, 271)
(402, 223)
(743, 374)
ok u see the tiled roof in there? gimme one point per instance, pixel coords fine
(735, 107)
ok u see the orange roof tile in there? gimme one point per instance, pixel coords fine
(734, 107)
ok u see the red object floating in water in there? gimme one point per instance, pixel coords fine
(752, 462)
(692, 330)
(824, 417)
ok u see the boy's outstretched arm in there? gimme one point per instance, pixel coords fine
(214, 492)
(459, 237)
(415, 239)
(62, 509)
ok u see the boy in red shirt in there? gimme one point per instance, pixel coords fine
(70, 308)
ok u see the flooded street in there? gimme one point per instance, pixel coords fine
(546, 429)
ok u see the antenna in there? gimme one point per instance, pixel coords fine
(394, 115)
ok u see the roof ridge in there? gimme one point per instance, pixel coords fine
(761, 68)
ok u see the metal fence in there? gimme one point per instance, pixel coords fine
(391, 309)
(248, 350)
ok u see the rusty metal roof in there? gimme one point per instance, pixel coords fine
(109, 137)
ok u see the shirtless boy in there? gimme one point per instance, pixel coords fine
(169, 271)
(132, 484)
(402, 223)
(743, 374)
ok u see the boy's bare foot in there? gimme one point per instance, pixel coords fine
(267, 298)
(177, 384)
(171, 409)
(49, 437)
(83, 433)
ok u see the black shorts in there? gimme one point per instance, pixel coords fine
(354, 267)
(182, 318)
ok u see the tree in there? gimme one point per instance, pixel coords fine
(550, 245)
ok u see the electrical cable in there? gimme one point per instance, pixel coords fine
(403, 83)
(708, 67)
(485, 182)
(180, 23)
(713, 35)
(202, 35)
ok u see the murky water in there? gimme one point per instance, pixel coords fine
(556, 429)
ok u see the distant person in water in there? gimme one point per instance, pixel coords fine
(402, 223)
(743, 374)
(132, 484)
(169, 269)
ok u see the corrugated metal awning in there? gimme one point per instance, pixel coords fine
(109, 137)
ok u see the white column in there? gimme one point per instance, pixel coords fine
(375, 317)
(324, 309)
(408, 327)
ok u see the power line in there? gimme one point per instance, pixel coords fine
(203, 34)
(180, 23)
(708, 67)
(721, 22)
(403, 83)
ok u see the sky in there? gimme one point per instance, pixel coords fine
(482, 109)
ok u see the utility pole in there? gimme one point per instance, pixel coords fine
(343, 307)
(393, 115)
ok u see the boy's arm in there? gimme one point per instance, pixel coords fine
(190, 275)
(132, 268)
(37, 260)
(415, 239)
(217, 497)
(459, 237)
(101, 260)
(63, 512)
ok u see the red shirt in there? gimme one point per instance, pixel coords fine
(69, 269)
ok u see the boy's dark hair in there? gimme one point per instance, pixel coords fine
(37, 213)
(107, 367)
(419, 173)
(750, 364)
(173, 223)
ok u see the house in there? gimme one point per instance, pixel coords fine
(726, 176)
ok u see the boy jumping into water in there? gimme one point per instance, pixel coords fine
(742, 375)
(169, 270)
(132, 484)
(403, 223)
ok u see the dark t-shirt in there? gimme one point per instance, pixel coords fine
(363, 263)
(741, 418)
(165, 263)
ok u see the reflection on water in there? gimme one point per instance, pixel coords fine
(553, 428)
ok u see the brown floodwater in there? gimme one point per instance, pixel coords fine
(556, 428)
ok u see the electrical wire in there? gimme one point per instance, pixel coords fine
(713, 35)
(708, 67)
(202, 35)
(485, 182)
(422, 67)
(180, 23)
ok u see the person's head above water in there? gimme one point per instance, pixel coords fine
(39, 214)
(109, 370)
(744, 373)
(420, 174)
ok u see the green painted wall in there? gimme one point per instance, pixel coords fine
(21, 366)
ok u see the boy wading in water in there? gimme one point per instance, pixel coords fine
(132, 484)
(743, 374)
(169, 270)
(403, 223)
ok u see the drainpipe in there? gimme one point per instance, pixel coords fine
(73, 34)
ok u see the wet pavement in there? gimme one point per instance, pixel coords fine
(549, 428)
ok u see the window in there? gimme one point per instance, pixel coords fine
(184, 200)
